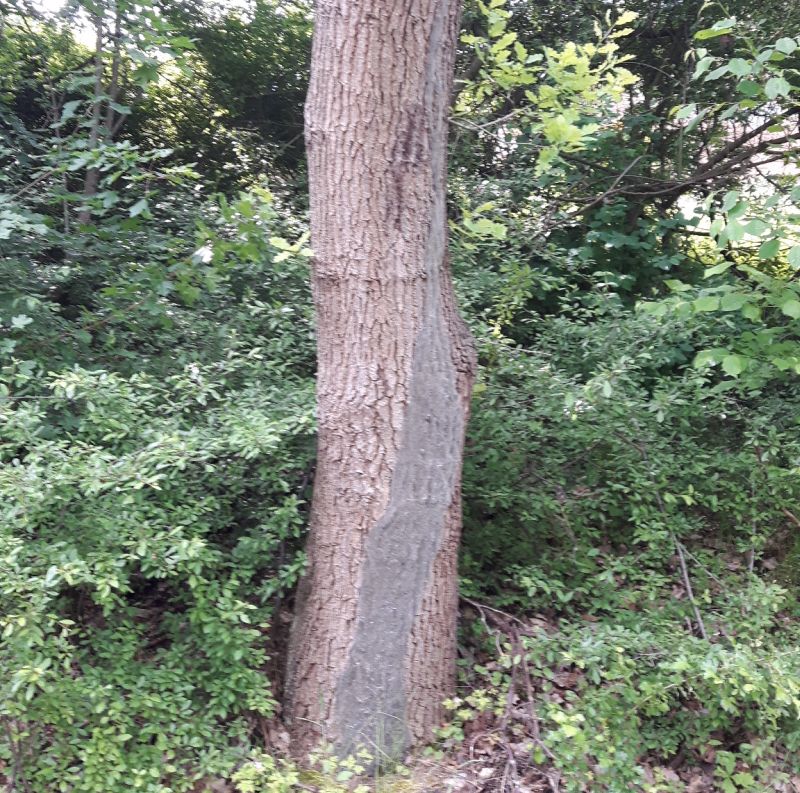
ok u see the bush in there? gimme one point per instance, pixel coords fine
(146, 529)
(629, 510)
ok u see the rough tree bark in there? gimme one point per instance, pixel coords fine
(372, 652)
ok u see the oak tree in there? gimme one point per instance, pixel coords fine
(373, 642)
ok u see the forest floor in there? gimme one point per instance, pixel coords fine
(497, 746)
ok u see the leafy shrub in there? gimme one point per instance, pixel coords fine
(589, 457)
(644, 694)
(634, 507)
(145, 528)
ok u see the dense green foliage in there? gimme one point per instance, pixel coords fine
(583, 499)
(625, 245)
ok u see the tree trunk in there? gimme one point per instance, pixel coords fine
(92, 178)
(372, 653)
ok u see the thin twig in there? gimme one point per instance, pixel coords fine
(603, 196)
(481, 606)
(688, 584)
(792, 517)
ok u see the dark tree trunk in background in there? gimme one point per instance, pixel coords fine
(373, 645)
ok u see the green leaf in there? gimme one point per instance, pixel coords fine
(654, 309)
(729, 200)
(626, 17)
(749, 88)
(734, 365)
(791, 307)
(674, 285)
(181, 42)
(706, 303)
(712, 356)
(756, 227)
(739, 66)
(483, 227)
(496, 28)
(751, 311)
(620, 33)
(139, 207)
(733, 301)
(280, 243)
(777, 86)
(702, 66)
(738, 210)
(505, 42)
(794, 257)
(711, 33)
(80, 82)
(769, 249)
(68, 111)
(109, 198)
(144, 74)
(20, 321)
(786, 45)
(687, 111)
(717, 269)
(735, 230)
(717, 73)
